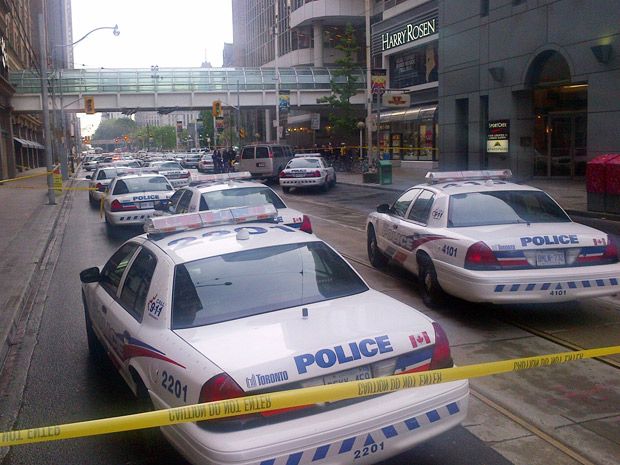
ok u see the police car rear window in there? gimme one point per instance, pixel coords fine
(304, 163)
(251, 282)
(247, 196)
(141, 184)
(503, 207)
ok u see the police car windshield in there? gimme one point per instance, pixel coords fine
(503, 207)
(304, 163)
(251, 282)
(240, 197)
(141, 184)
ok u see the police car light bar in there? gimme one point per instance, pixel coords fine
(434, 177)
(221, 177)
(301, 155)
(187, 221)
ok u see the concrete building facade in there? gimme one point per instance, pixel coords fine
(530, 85)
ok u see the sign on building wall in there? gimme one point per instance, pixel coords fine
(408, 33)
(498, 134)
(392, 100)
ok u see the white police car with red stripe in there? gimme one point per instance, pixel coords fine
(131, 199)
(307, 170)
(229, 303)
(230, 190)
(474, 235)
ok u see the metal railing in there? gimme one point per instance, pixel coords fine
(84, 81)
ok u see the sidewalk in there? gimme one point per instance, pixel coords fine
(27, 223)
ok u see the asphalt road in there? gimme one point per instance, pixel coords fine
(63, 385)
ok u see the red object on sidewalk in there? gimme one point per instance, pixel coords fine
(612, 180)
(597, 181)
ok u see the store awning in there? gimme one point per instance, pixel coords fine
(409, 114)
(29, 144)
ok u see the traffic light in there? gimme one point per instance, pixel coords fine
(89, 105)
(216, 110)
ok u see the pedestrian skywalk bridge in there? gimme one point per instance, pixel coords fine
(131, 90)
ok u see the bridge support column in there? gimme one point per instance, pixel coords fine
(268, 125)
(318, 43)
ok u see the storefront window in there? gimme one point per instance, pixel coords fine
(412, 139)
(414, 67)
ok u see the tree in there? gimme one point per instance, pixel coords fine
(344, 85)
(114, 128)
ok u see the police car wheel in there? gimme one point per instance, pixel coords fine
(376, 257)
(95, 348)
(286, 189)
(93, 202)
(432, 294)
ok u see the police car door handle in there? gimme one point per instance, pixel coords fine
(104, 309)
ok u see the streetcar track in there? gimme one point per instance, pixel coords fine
(512, 416)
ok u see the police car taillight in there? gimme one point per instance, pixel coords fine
(306, 225)
(434, 177)
(283, 174)
(315, 174)
(100, 187)
(220, 387)
(442, 358)
(116, 206)
(479, 256)
(184, 222)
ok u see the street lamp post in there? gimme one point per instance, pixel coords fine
(361, 126)
(45, 110)
(64, 169)
(276, 30)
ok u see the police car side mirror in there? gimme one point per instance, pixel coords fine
(90, 275)
(383, 208)
(88, 176)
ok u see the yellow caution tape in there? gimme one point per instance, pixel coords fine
(288, 399)
(21, 178)
(63, 188)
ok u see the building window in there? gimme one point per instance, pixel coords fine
(484, 7)
(414, 67)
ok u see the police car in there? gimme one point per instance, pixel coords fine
(242, 305)
(228, 190)
(307, 170)
(477, 236)
(176, 174)
(99, 181)
(130, 199)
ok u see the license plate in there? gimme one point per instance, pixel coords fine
(260, 165)
(144, 205)
(356, 374)
(299, 175)
(553, 258)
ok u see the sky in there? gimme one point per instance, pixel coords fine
(179, 33)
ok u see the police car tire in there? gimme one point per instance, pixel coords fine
(286, 189)
(375, 256)
(325, 186)
(432, 293)
(95, 348)
(334, 180)
(93, 202)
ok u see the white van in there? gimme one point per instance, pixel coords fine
(264, 161)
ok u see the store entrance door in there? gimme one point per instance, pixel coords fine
(565, 151)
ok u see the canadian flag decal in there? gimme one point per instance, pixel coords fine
(419, 339)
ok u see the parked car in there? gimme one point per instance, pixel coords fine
(232, 305)
(479, 237)
(264, 161)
